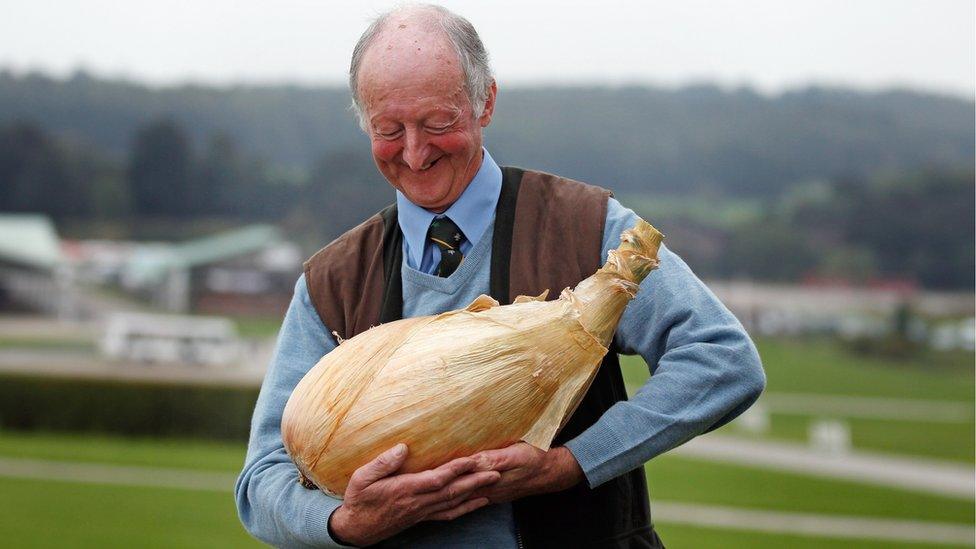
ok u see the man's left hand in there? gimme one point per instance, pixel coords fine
(527, 470)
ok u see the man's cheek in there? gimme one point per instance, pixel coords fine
(386, 150)
(452, 143)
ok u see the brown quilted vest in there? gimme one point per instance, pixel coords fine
(548, 234)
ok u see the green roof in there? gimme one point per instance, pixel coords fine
(226, 245)
(153, 262)
(29, 239)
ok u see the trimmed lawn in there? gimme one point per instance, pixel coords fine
(176, 453)
(673, 478)
(949, 441)
(62, 514)
(827, 367)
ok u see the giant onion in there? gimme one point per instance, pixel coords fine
(456, 383)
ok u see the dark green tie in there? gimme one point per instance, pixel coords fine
(448, 238)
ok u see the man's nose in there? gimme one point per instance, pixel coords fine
(415, 150)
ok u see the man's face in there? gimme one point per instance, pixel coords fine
(425, 138)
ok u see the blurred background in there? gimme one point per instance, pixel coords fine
(165, 168)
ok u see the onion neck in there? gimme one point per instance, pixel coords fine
(604, 296)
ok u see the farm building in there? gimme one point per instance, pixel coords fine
(248, 271)
(33, 273)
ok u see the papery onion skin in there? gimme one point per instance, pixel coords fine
(460, 382)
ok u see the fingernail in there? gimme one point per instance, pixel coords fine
(399, 449)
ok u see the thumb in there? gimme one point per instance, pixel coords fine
(382, 466)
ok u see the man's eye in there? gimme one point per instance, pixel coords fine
(438, 129)
(390, 134)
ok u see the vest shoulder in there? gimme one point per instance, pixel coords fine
(562, 186)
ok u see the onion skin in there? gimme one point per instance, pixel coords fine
(464, 381)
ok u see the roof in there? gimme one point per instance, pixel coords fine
(29, 239)
(150, 263)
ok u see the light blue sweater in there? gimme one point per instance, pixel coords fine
(705, 371)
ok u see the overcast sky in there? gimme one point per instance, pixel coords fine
(772, 45)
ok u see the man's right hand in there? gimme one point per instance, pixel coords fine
(379, 503)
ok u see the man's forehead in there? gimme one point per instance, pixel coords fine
(407, 47)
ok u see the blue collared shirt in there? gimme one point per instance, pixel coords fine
(473, 212)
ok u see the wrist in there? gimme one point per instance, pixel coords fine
(339, 526)
(566, 471)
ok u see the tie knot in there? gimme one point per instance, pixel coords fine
(445, 234)
(448, 238)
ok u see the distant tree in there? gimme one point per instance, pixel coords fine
(160, 171)
(220, 178)
(343, 189)
(37, 175)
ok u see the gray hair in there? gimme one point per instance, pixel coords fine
(460, 32)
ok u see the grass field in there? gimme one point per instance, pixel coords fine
(827, 367)
(62, 514)
(115, 516)
(58, 513)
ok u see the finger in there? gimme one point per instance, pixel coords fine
(435, 479)
(459, 490)
(382, 466)
(501, 459)
(462, 509)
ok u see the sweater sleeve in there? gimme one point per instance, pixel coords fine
(271, 503)
(705, 369)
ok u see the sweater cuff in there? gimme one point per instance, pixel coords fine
(594, 449)
(317, 515)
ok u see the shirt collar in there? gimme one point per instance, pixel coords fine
(473, 211)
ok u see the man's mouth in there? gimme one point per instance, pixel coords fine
(431, 165)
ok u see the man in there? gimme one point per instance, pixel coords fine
(462, 226)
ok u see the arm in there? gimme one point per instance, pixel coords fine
(378, 503)
(706, 371)
(271, 504)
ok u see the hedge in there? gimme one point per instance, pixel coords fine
(56, 404)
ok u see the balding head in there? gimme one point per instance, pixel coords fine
(420, 36)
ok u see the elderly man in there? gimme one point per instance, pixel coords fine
(462, 226)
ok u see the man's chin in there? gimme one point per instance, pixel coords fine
(429, 201)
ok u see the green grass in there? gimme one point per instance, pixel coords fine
(828, 367)
(679, 536)
(176, 453)
(949, 441)
(825, 366)
(257, 327)
(674, 478)
(47, 343)
(61, 514)
(54, 513)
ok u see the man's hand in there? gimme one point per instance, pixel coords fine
(527, 470)
(379, 503)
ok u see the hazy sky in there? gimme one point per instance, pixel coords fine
(927, 44)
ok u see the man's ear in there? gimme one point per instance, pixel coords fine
(489, 105)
